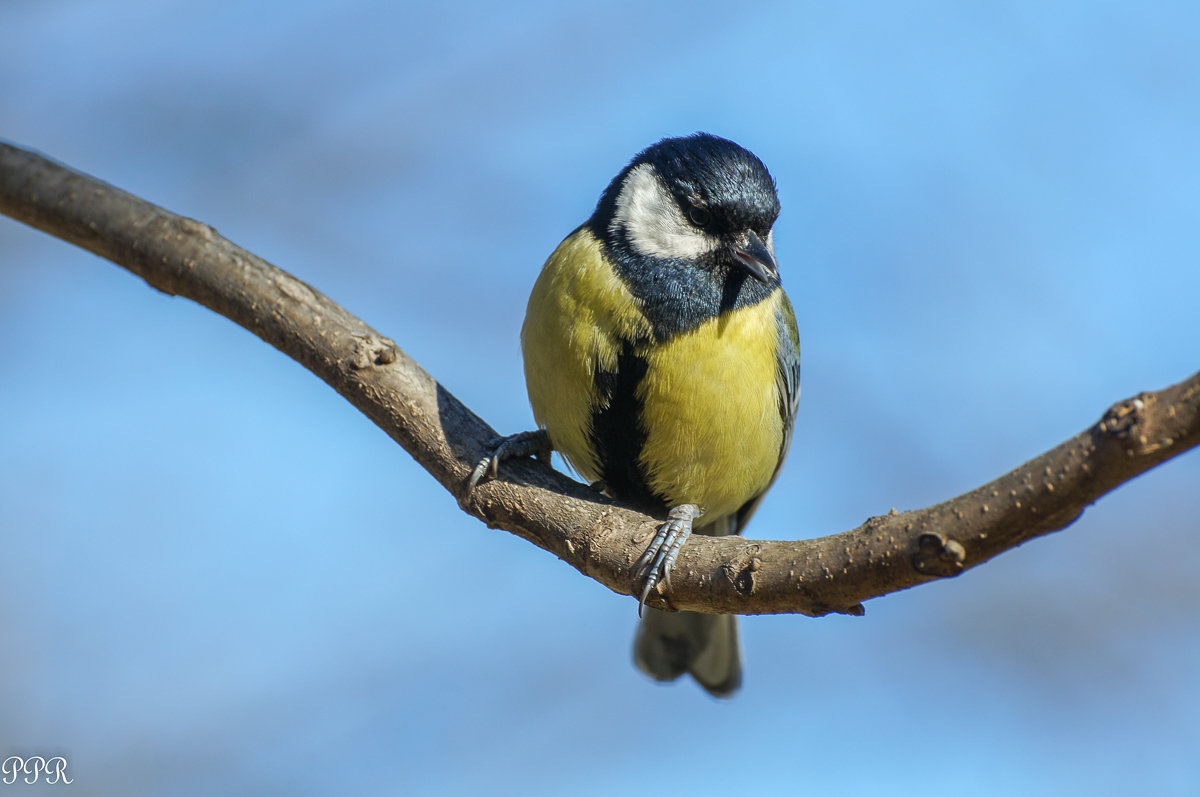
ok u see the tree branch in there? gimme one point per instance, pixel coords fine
(598, 537)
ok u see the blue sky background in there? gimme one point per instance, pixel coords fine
(219, 578)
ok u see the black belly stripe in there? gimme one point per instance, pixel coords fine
(618, 434)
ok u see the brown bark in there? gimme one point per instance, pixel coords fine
(598, 537)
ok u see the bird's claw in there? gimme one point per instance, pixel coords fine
(655, 564)
(522, 444)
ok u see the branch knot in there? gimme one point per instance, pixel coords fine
(939, 556)
(1122, 417)
(372, 350)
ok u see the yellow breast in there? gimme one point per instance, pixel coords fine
(710, 397)
(710, 406)
(578, 315)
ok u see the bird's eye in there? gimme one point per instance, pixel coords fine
(699, 216)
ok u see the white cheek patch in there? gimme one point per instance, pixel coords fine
(652, 221)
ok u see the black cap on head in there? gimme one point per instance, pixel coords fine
(712, 173)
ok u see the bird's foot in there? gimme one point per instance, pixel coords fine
(655, 564)
(522, 444)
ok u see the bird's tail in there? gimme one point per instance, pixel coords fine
(668, 644)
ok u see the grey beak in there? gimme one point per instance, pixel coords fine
(754, 257)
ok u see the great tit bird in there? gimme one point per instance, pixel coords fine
(662, 361)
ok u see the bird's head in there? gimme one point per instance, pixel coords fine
(698, 199)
